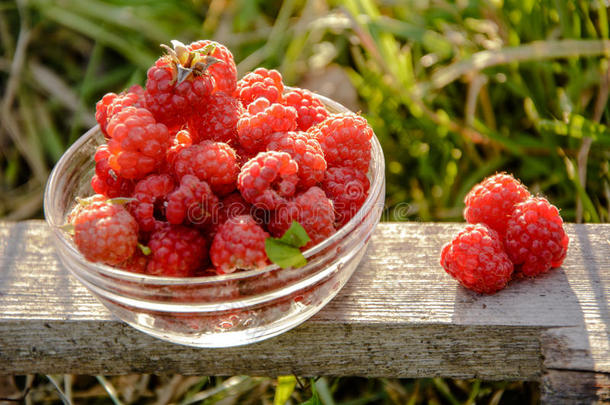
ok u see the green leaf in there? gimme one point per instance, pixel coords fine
(295, 236)
(315, 398)
(283, 254)
(285, 387)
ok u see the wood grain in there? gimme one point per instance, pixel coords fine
(400, 315)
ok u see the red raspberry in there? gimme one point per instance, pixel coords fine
(261, 120)
(239, 244)
(138, 143)
(218, 121)
(150, 194)
(180, 141)
(192, 202)
(136, 263)
(231, 206)
(492, 200)
(477, 260)
(312, 209)
(535, 239)
(345, 140)
(177, 85)
(223, 72)
(260, 83)
(348, 188)
(212, 162)
(176, 251)
(306, 151)
(104, 232)
(111, 104)
(267, 179)
(105, 181)
(310, 109)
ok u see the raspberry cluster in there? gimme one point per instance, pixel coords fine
(200, 168)
(510, 234)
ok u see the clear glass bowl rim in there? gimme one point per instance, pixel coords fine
(376, 187)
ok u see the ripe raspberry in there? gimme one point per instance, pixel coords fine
(306, 151)
(218, 121)
(261, 120)
(105, 181)
(136, 263)
(111, 104)
(535, 239)
(231, 206)
(345, 140)
(477, 260)
(180, 141)
(191, 202)
(310, 110)
(212, 162)
(150, 194)
(104, 232)
(268, 179)
(348, 189)
(176, 251)
(260, 83)
(312, 209)
(177, 85)
(223, 72)
(492, 200)
(138, 143)
(239, 244)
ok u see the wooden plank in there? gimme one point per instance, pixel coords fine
(575, 388)
(400, 315)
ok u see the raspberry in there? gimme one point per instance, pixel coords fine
(348, 189)
(136, 263)
(261, 120)
(105, 181)
(150, 194)
(176, 251)
(260, 83)
(345, 140)
(111, 104)
(305, 150)
(212, 162)
(218, 121)
(535, 239)
(138, 143)
(310, 110)
(267, 179)
(104, 232)
(177, 84)
(239, 244)
(492, 200)
(193, 202)
(312, 209)
(477, 260)
(180, 141)
(223, 72)
(231, 206)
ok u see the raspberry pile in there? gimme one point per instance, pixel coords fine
(199, 168)
(511, 234)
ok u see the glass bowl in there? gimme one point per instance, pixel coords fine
(214, 311)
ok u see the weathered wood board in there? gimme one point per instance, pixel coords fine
(400, 315)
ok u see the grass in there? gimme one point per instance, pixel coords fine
(455, 90)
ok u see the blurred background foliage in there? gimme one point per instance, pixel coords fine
(455, 90)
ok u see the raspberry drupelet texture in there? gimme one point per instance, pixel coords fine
(176, 251)
(348, 189)
(218, 121)
(310, 110)
(150, 194)
(180, 141)
(105, 181)
(239, 244)
(212, 162)
(136, 263)
(260, 83)
(137, 143)
(306, 151)
(345, 140)
(262, 119)
(312, 209)
(104, 232)
(268, 179)
(224, 72)
(192, 202)
(477, 260)
(491, 201)
(535, 239)
(111, 104)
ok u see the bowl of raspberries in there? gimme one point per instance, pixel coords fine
(210, 211)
